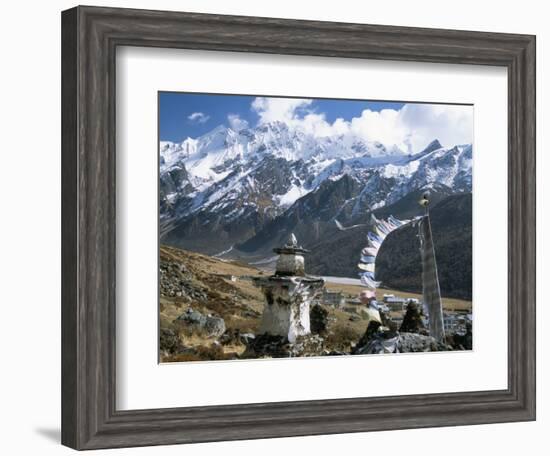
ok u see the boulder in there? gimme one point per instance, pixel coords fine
(194, 321)
(192, 317)
(410, 342)
(214, 326)
(375, 340)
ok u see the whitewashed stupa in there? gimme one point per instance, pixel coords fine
(288, 294)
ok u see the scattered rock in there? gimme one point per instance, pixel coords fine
(410, 342)
(169, 341)
(269, 346)
(172, 275)
(176, 281)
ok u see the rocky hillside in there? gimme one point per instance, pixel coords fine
(398, 263)
(207, 284)
(209, 310)
(201, 300)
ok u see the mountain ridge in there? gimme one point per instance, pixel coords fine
(242, 192)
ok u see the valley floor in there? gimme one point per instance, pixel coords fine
(217, 289)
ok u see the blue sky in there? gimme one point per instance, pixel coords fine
(183, 115)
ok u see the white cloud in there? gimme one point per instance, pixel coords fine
(293, 112)
(384, 126)
(414, 126)
(198, 117)
(236, 123)
(450, 124)
(281, 109)
(411, 128)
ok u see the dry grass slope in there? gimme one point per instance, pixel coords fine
(224, 289)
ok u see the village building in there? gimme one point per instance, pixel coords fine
(332, 298)
(396, 303)
(456, 322)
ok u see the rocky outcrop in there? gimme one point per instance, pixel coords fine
(195, 322)
(376, 340)
(409, 343)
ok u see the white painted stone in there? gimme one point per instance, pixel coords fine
(286, 311)
(291, 264)
(288, 294)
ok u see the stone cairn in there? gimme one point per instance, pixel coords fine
(285, 326)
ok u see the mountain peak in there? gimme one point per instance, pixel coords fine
(434, 145)
(219, 130)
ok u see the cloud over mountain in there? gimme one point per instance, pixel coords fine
(410, 128)
(242, 189)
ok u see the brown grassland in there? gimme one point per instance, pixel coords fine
(227, 291)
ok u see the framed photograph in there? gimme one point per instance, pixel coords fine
(281, 228)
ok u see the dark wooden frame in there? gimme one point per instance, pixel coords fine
(90, 36)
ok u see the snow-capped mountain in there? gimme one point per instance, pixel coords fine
(225, 187)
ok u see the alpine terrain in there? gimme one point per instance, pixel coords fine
(237, 194)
